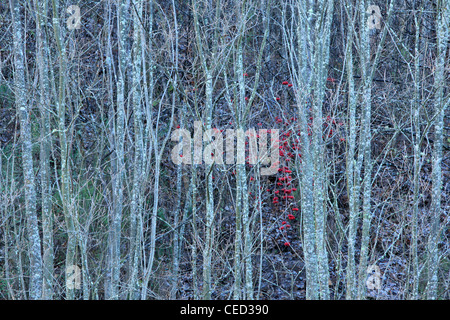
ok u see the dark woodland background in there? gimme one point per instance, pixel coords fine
(359, 208)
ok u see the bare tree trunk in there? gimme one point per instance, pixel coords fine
(367, 72)
(152, 143)
(136, 207)
(321, 56)
(176, 222)
(195, 236)
(207, 255)
(65, 190)
(416, 138)
(312, 54)
(443, 26)
(23, 111)
(364, 153)
(353, 196)
(41, 8)
(111, 73)
(241, 175)
(119, 139)
(303, 79)
(159, 148)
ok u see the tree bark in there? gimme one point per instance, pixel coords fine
(23, 110)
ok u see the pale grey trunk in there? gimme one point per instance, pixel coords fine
(365, 134)
(159, 149)
(304, 85)
(351, 146)
(241, 175)
(367, 72)
(321, 56)
(195, 235)
(137, 196)
(44, 103)
(119, 137)
(150, 141)
(65, 189)
(151, 255)
(177, 213)
(442, 26)
(179, 225)
(313, 36)
(24, 110)
(108, 13)
(207, 254)
(416, 138)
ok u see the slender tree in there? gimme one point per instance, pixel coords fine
(65, 191)
(138, 166)
(440, 105)
(209, 196)
(311, 56)
(24, 113)
(44, 158)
